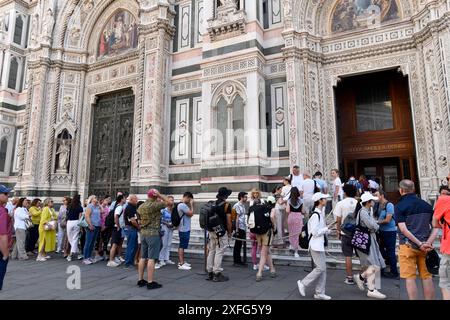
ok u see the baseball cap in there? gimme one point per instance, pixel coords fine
(152, 193)
(271, 199)
(319, 196)
(367, 196)
(4, 189)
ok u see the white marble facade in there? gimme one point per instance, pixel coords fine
(270, 62)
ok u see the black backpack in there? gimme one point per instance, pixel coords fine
(305, 237)
(316, 186)
(262, 219)
(214, 222)
(176, 219)
(109, 221)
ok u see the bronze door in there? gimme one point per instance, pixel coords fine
(112, 140)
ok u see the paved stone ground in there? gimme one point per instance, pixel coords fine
(47, 281)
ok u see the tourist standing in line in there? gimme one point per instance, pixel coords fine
(280, 209)
(296, 177)
(62, 225)
(131, 230)
(185, 211)
(218, 244)
(308, 188)
(21, 214)
(337, 192)
(388, 234)
(112, 205)
(372, 262)
(317, 232)
(342, 210)
(441, 220)
(47, 230)
(167, 229)
(295, 219)
(354, 182)
(241, 227)
(416, 236)
(33, 232)
(150, 215)
(93, 219)
(116, 236)
(267, 211)
(5, 233)
(105, 232)
(364, 183)
(73, 230)
(285, 194)
(322, 183)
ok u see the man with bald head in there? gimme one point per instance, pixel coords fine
(414, 219)
(131, 230)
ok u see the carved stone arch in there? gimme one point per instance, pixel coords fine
(314, 16)
(229, 90)
(62, 21)
(65, 125)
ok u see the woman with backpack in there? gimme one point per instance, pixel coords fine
(294, 209)
(265, 240)
(371, 260)
(317, 231)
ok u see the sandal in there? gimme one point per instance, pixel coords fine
(258, 278)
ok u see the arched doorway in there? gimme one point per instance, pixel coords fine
(375, 135)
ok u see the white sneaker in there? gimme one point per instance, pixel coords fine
(162, 263)
(122, 260)
(184, 267)
(80, 257)
(255, 267)
(301, 288)
(118, 261)
(322, 297)
(41, 259)
(188, 264)
(112, 264)
(296, 256)
(47, 257)
(87, 261)
(266, 268)
(69, 258)
(358, 282)
(158, 265)
(376, 294)
(98, 259)
(170, 262)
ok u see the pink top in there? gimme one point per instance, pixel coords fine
(5, 224)
(104, 210)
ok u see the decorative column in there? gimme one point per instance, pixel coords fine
(155, 36)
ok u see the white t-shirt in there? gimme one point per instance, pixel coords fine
(297, 181)
(286, 192)
(308, 188)
(344, 208)
(338, 183)
(118, 212)
(19, 218)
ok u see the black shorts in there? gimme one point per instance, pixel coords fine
(116, 236)
(347, 248)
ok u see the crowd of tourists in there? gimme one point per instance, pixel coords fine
(293, 216)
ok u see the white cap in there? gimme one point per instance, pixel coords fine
(271, 199)
(367, 196)
(319, 196)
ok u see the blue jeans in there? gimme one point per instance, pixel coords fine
(131, 234)
(3, 265)
(387, 248)
(91, 237)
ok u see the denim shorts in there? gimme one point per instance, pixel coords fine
(184, 239)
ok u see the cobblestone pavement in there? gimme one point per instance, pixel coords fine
(43, 281)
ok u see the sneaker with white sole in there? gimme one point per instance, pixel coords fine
(188, 264)
(41, 259)
(118, 261)
(301, 288)
(359, 282)
(112, 264)
(162, 263)
(321, 297)
(122, 260)
(169, 262)
(87, 261)
(184, 267)
(69, 258)
(349, 281)
(158, 265)
(296, 256)
(266, 268)
(98, 259)
(376, 294)
(255, 267)
(80, 257)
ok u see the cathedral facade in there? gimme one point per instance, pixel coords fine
(98, 96)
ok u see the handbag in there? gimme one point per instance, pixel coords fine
(49, 226)
(28, 223)
(361, 239)
(82, 223)
(433, 262)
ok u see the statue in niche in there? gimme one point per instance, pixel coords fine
(34, 30)
(63, 152)
(47, 24)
